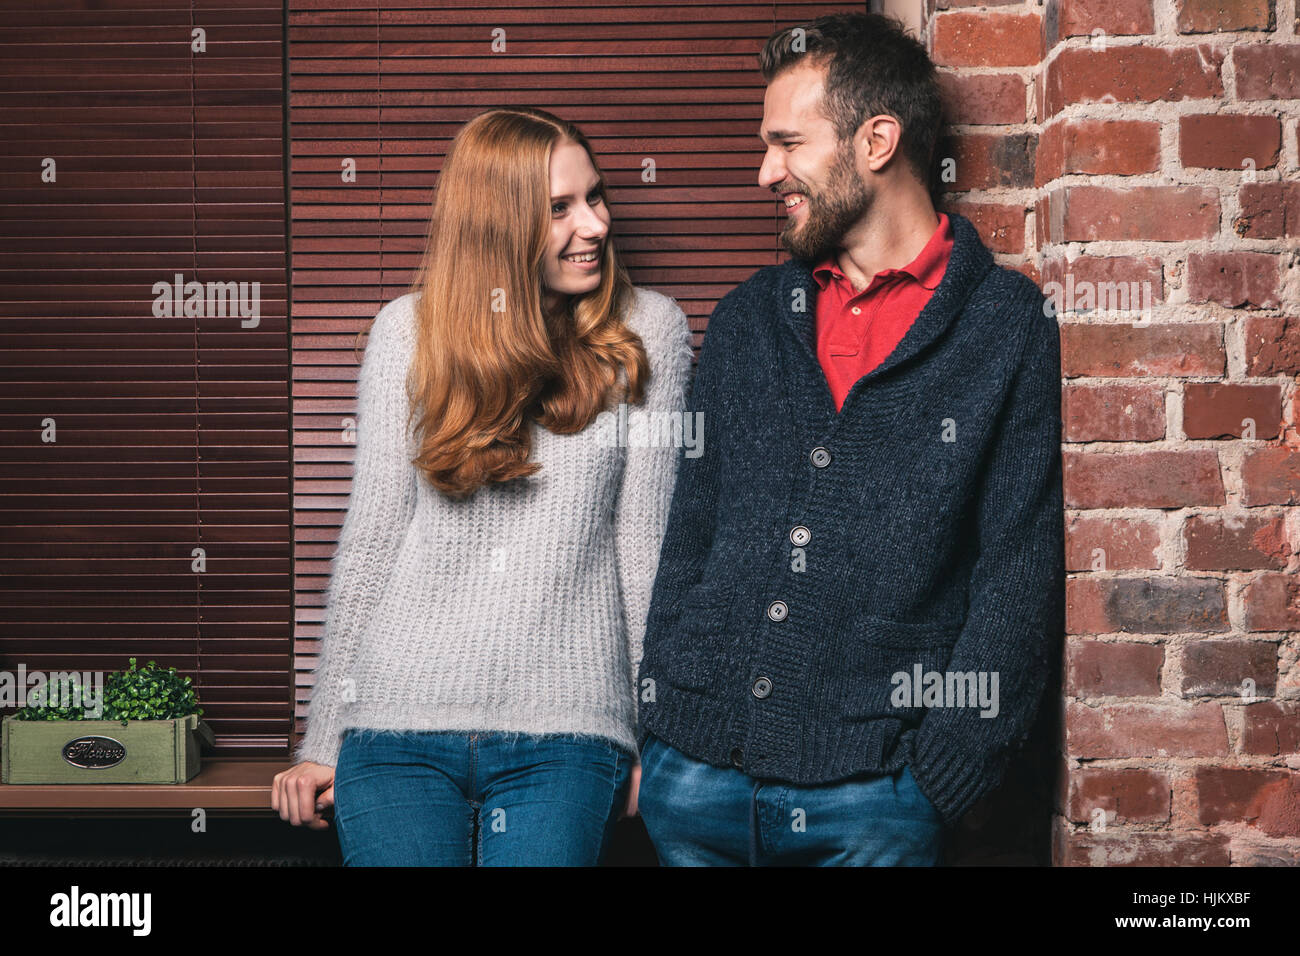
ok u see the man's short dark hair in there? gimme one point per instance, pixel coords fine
(873, 66)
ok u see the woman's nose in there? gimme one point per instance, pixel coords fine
(591, 225)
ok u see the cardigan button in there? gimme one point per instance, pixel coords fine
(777, 610)
(737, 757)
(799, 535)
(820, 457)
(762, 688)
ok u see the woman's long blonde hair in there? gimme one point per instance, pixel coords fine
(488, 357)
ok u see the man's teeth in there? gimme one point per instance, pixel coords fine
(582, 257)
(792, 201)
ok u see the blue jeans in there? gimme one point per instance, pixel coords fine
(701, 815)
(417, 798)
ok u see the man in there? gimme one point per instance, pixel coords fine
(861, 588)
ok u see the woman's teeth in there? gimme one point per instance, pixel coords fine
(582, 257)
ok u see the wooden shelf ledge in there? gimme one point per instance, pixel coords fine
(221, 785)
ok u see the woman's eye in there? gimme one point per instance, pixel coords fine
(558, 208)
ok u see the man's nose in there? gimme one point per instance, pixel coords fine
(773, 169)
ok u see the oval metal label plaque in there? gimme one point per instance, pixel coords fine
(94, 752)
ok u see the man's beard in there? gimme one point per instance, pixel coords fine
(831, 212)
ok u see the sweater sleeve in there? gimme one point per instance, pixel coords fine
(380, 508)
(1016, 603)
(650, 471)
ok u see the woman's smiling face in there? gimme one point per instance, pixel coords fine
(579, 225)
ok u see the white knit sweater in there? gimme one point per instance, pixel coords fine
(520, 609)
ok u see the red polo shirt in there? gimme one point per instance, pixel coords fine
(856, 331)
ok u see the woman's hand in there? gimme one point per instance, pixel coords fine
(633, 786)
(294, 794)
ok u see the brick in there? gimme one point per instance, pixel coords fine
(1279, 808)
(1098, 300)
(1025, 268)
(1145, 730)
(1118, 669)
(1253, 856)
(1272, 345)
(1229, 410)
(1113, 413)
(1131, 74)
(1127, 796)
(1270, 728)
(1267, 71)
(983, 99)
(1270, 476)
(1099, 281)
(1144, 213)
(1121, 147)
(986, 160)
(1236, 542)
(1113, 349)
(987, 39)
(1150, 605)
(1213, 16)
(1219, 668)
(1271, 602)
(1234, 279)
(1288, 668)
(1000, 225)
(1124, 848)
(1235, 794)
(1115, 17)
(1225, 141)
(1148, 479)
(1095, 543)
(1269, 210)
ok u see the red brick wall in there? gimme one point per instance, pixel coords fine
(1151, 146)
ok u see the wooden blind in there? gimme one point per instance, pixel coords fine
(384, 87)
(132, 445)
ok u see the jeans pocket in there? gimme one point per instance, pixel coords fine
(653, 754)
(917, 794)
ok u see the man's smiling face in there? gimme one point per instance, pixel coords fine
(816, 176)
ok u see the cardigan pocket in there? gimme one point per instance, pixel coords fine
(878, 662)
(690, 659)
(883, 630)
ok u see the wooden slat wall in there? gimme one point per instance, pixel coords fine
(172, 433)
(388, 84)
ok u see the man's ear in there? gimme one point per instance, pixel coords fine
(876, 141)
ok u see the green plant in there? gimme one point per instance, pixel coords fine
(149, 693)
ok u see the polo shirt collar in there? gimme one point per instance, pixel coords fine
(927, 268)
(969, 262)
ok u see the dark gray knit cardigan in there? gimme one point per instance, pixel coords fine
(816, 563)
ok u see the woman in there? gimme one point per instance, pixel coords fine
(474, 700)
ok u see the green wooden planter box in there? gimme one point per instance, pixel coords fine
(102, 751)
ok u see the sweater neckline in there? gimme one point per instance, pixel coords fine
(968, 263)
